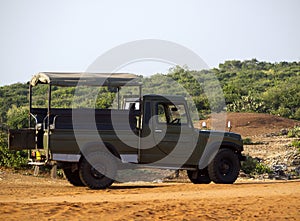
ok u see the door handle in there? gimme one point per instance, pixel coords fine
(158, 131)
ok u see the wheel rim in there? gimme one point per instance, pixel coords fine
(225, 167)
(96, 174)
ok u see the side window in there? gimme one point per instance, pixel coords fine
(177, 114)
(161, 114)
(171, 113)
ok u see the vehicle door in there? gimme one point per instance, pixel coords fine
(172, 133)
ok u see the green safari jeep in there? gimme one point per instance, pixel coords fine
(156, 131)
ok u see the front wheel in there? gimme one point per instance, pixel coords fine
(225, 167)
(98, 169)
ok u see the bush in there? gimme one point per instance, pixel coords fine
(17, 117)
(296, 143)
(247, 141)
(295, 132)
(262, 168)
(13, 159)
(253, 166)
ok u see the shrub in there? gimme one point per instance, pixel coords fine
(17, 117)
(262, 168)
(13, 159)
(247, 141)
(253, 166)
(296, 143)
(295, 132)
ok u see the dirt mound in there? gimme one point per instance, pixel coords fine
(254, 124)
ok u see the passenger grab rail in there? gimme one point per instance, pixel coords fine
(54, 121)
(44, 122)
(34, 117)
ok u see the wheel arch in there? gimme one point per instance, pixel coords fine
(234, 147)
(97, 146)
(211, 151)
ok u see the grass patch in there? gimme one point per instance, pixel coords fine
(294, 132)
(252, 166)
(248, 141)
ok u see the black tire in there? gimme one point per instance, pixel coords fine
(73, 176)
(225, 167)
(201, 178)
(98, 169)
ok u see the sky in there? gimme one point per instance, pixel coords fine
(68, 35)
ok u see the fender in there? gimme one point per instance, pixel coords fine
(208, 154)
(96, 146)
(211, 151)
(232, 146)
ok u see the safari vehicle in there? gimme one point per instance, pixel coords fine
(91, 145)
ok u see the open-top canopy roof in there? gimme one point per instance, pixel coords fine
(89, 79)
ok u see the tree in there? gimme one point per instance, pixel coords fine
(17, 117)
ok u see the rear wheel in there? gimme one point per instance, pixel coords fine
(225, 167)
(199, 176)
(72, 175)
(98, 169)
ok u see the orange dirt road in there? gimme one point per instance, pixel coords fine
(32, 198)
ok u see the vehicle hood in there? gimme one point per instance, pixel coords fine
(225, 134)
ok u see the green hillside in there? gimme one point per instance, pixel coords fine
(248, 86)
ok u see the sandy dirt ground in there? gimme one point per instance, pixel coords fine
(24, 197)
(32, 198)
